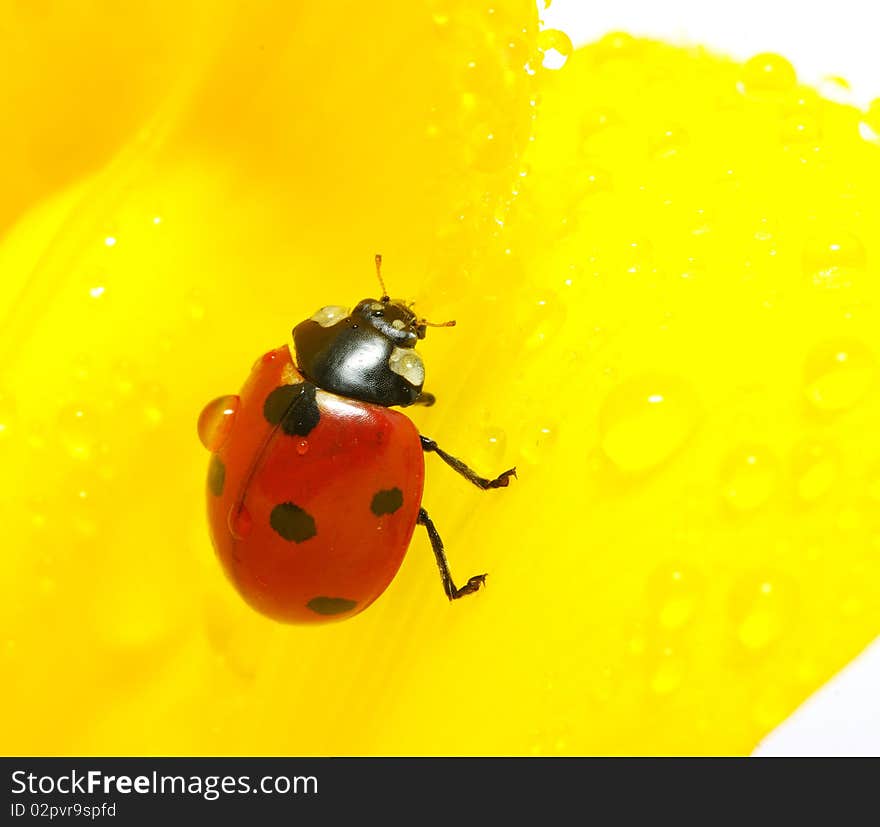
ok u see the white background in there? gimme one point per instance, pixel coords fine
(836, 37)
(821, 39)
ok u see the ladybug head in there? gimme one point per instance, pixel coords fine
(367, 353)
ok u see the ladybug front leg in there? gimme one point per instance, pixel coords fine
(501, 481)
(452, 592)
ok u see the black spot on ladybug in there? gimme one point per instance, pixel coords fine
(331, 605)
(294, 407)
(386, 502)
(292, 523)
(216, 475)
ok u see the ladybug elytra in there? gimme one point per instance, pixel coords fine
(315, 483)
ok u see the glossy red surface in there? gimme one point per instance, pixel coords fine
(332, 474)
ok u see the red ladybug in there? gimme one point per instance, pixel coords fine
(315, 484)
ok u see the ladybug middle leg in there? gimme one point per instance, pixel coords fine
(501, 481)
(452, 591)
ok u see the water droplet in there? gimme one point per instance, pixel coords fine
(7, 416)
(154, 399)
(638, 255)
(801, 128)
(594, 180)
(240, 521)
(615, 45)
(815, 467)
(671, 142)
(674, 592)
(490, 448)
(837, 374)
(646, 420)
(668, 672)
(543, 317)
(216, 421)
(748, 477)
(38, 509)
(869, 126)
(761, 609)
(555, 46)
(539, 439)
(124, 379)
(596, 120)
(833, 258)
(302, 446)
(767, 73)
(78, 430)
(195, 304)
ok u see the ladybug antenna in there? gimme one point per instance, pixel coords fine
(385, 297)
(450, 323)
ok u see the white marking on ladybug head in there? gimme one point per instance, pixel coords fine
(330, 315)
(407, 363)
(398, 324)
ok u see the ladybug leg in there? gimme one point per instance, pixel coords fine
(452, 592)
(501, 481)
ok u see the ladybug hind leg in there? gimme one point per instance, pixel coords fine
(501, 481)
(452, 591)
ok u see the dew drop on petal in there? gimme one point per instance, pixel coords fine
(78, 431)
(490, 449)
(7, 416)
(674, 592)
(761, 607)
(668, 672)
(833, 258)
(646, 420)
(765, 74)
(538, 440)
(748, 477)
(815, 469)
(555, 46)
(838, 374)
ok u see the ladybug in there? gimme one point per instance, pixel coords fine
(315, 483)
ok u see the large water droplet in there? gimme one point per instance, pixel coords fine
(815, 467)
(838, 374)
(668, 672)
(646, 420)
(675, 592)
(869, 126)
(490, 449)
(555, 46)
(767, 74)
(216, 421)
(538, 440)
(748, 477)
(78, 430)
(7, 415)
(542, 319)
(761, 607)
(834, 258)
(155, 400)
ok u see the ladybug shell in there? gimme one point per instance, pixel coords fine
(313, 497)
